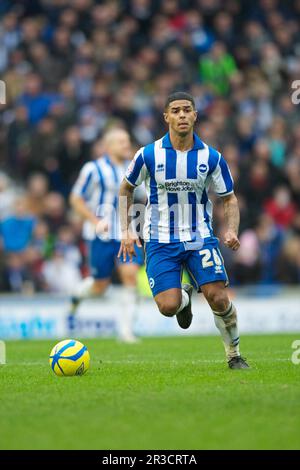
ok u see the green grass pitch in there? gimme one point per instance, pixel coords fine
(164, 393)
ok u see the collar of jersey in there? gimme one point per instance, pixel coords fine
(107, 159)
(166, 142)
(112, 164)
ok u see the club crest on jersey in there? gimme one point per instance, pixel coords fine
(160, 167)
(202, 168)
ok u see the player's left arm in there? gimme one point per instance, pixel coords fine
(222, 184)
(232, 220)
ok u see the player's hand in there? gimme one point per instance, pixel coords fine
(231, 240)
(127, 246)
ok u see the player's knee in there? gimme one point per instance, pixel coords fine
(130, 280)
(168, 307)
(128, 274)
(99, 288)
(218, 300)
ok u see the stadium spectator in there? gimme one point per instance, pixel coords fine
(217, 68)
(10, 38)
(44, 147)
(42, 240)
(19, 143)
(7, 196)
(37, 190)
(15, 276)
(59, 274)
(270, 239)
(289, 262)
(247, 266)
(281, 208)
(34, 99)
(16, 230)
(66, 244)
(73, 153)
(54, 211)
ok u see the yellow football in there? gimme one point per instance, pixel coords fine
(69, 357)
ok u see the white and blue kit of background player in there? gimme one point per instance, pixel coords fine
(98, 184)
(177, 230)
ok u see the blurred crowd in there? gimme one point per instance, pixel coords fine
(73, 68)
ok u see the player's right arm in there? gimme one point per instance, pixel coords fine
(81, 192)
(79, 205)
(135, 175)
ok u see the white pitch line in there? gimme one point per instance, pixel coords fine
(128, 362)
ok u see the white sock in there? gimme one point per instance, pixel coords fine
(85, 288)
(226, 322)
(184, 300)
(126, 316)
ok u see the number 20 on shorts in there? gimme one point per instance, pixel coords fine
(207, 261)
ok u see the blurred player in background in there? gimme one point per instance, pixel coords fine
(178, 170)
(95, 197)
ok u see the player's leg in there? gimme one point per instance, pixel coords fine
(89, 287)
(164, 268)
(128, 301)
(128, 275)
(208, 272)
(169, 301)
(101, 261)
(225, 317)
(176, 301)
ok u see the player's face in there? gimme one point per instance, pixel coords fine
(121, 146)
(181, 117)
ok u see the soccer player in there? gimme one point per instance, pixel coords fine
(95, 197)
(178, 170)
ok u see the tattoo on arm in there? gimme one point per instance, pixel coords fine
(231, 213)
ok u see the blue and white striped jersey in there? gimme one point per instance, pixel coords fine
(98, 184)
(177, 184)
